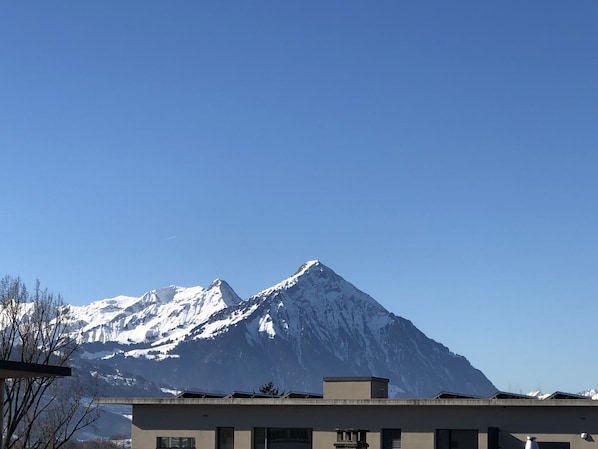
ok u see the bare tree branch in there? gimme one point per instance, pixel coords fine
(39, 413)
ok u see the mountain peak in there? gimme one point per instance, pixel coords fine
(306, 272)
(314, 282)
(217, 283)
(228, 295)
(315, 272)
(160, 295)
(307, 265)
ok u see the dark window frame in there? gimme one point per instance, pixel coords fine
(160, 442)
(222, 442)
(452, 441)
(388, 438)
(263, 437)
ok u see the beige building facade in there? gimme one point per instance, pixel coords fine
(356, 413)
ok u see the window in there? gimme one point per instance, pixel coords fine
(391, 438)
(493, 438)
(175, 442)
(259, 438)
(456, 439)
(226, 437)
(282, 438)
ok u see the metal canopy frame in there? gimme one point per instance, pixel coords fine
(13, 370)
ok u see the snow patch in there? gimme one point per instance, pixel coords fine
(266, 325)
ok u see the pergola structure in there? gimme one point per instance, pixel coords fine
(18, 370)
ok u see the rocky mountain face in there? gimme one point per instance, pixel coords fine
(311, 325)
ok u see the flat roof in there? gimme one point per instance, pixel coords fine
(10, 370)
(314, 402)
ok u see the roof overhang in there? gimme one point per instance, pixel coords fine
(11, 370)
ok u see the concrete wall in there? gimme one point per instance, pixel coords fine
(417, 423)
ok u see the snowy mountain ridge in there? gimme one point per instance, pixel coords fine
(168, 315)
(310, 325)
(159, 318)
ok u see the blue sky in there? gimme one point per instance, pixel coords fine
(441, 156)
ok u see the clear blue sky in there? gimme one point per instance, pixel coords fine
(441, 156)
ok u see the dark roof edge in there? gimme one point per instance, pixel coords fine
(23, 369)
(356, 379)
(453, 395)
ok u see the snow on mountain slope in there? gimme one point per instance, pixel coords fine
(314, 296)
(173, 313)
(159, 317)
(316, 299)
(591, 393)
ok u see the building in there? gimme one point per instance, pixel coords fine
(356, 413)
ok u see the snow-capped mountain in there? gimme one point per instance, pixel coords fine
(591, 393)
(311, 325)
